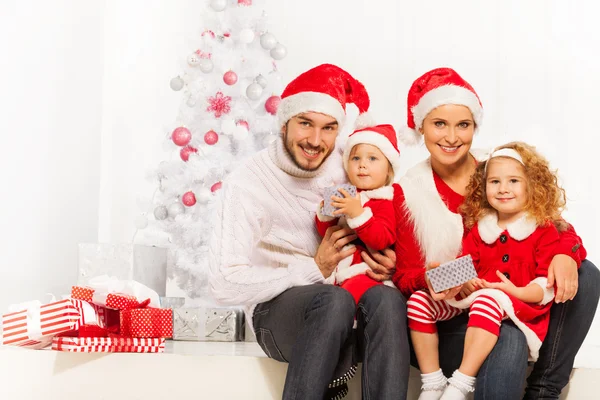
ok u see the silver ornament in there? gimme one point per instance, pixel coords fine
(268, 41)
(204, 196)
(141, 222)
(279, 52)
(161, 212)
(218, 5)
(176, 83)
(206, 65)
(175, 209)
(262, 81)
(246, 36)
(254, 91)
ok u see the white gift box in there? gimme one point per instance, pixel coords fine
(144, 264)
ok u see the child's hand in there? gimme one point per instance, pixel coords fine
(470, 287)
(506, 285)
(347, 205)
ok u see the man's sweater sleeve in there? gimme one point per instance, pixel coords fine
(240, 223)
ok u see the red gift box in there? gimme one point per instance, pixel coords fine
(117, 301)
(109, 345)
(147, 322)
(34, 327)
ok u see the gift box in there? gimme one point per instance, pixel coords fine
(208, 324)
(328, 209)
(452, 273)
(144, 264)
(117, 301)
(36, 324)
(108, 345)
(147, 322)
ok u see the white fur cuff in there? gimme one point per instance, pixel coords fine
(361, 219)
(548, 292)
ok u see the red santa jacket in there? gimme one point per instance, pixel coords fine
(429, 227)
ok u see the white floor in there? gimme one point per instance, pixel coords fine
(187, 370)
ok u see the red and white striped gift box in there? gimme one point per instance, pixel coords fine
(36, 325)
(109, 345)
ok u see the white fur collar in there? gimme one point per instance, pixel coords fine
(384, 193)
(518, 230)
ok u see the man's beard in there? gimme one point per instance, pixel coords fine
(288, 147)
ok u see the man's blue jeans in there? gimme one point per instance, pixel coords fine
(310, 327)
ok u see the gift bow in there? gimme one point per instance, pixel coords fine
(111, 284)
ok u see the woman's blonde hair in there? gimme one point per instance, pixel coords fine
(546, 199)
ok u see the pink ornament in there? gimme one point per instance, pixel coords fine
(189, 198)
(230, 78)
(219, 104)
(185, 152)
(211, 138)
(272, 104)
(243, 123)
(216, 187)
(181, 136)
(245, 2)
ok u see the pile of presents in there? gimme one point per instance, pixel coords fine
(111, 314)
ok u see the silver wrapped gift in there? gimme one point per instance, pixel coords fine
(145, 264)
(208, 324)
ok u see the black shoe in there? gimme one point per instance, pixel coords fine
(337, 392)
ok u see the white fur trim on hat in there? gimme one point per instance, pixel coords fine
(310, 102)
(378, 140)
(447, 94)
(364, 120)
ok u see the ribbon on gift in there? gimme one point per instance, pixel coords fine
(117, 301)
(109, 344)
(110, 284)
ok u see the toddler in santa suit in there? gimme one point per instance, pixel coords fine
(513, 205)
(371, 159)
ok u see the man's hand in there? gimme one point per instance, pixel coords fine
(563, 272)
(470, 287)
(382, 264)
(444, 295)
(348, 205)
(330, 252)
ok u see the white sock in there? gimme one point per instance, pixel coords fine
(459, 386)
(433, 386)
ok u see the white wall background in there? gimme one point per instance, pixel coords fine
(96, 72)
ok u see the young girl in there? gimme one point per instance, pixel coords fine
(513, 206)
(371, 159)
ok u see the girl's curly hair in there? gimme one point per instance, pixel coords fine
(546, 198)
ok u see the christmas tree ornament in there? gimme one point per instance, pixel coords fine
(185, 152)
(268, 41)
(189, 198)
(175, 209)
(160, 213)
(211, 138)
(241, 122)
(262, 81)
(278, 52)
(218, 5)
(176, 83)
(246, 36)
(194, 59)
(141, 222)
(204, 196)
(230, 78)
(216, 187)
(181, 136)
(219, 104)
(254, 91)
(272, 104)
(245, 2)
(206, 65)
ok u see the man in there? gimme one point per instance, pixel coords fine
(266, 253)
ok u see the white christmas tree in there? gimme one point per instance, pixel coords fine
(230, 86)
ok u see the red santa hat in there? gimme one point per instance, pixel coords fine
(381, 136)
(436, 88)
(324, 89)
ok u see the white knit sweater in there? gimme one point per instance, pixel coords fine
(265, 238)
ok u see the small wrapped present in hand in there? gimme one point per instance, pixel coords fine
(328, 209)
(452, 273)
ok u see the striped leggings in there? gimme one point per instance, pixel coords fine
(424, 312)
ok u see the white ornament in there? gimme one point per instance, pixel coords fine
(267, 140)
(176, 83)
(228, 126)
(240, 133)
(279, 52)
(175, 209)
(193, 60)
(206, 65)
(246, 36)
(203, 196)
(262, 81)
(254, 91)
(218, 5)
(268, 41)
(161, 212)
(141, 222)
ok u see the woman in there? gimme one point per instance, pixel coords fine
(445, 112)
